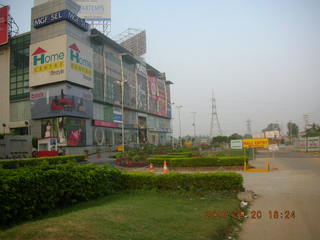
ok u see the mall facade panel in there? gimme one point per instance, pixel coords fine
(63, 79)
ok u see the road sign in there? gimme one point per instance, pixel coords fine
(255, 143)
(236, 144)
(273, 148)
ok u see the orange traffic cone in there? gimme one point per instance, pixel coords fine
(151, 168)
(165, 169)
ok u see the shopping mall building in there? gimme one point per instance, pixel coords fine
(63, 79)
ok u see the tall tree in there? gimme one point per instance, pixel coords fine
(235, 136)
(293, 129)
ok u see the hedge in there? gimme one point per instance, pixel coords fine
(166, 156)
(219, 181)
(29, 192)
(199, 161)
(29, 162)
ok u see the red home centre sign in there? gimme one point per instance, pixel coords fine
(4, 16)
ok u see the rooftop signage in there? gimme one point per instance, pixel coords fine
(4, 30)
(60, 16)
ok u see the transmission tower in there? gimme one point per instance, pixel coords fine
(214, 125)
(194, 123)
(249, 130)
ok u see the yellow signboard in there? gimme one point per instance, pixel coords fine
(255, 143)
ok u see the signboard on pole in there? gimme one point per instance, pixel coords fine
(236, 144)
(255, 143)
(4, 27)
(273, 148)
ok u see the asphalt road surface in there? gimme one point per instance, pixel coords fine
(289, 202)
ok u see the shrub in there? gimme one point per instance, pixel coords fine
(29, 162)
(220, 181)
(199, 161)
(29, 192)
(35, 142)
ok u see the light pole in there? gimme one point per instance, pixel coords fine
(194, 124)
(4, 128)
(172, 139)
(180, 139)
(122, 98)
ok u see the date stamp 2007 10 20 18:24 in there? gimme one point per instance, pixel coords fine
(253, 214)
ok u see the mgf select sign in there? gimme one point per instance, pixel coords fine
(60, 16)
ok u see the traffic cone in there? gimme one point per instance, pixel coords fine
(165, 169)
(151, 168)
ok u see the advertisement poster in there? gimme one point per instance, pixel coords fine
(102, 136)
(68, 131)
(48, 61)
(61, 100)
(161, 98)
(4, 16)
(61, 59)
(153, 103)
(117, 115)
(80, 63)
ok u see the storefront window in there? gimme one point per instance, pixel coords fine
(69, 131)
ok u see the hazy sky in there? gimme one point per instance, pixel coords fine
(262, 58)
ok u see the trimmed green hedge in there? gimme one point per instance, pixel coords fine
(30, 162)
(199, 161)
(219, 181)
(232, 152)
(29, 192)
(167, 156)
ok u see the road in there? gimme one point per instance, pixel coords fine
(295, 186)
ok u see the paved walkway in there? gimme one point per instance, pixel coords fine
(105, 158)
(294, 187)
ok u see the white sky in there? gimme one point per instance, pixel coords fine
(262, 58)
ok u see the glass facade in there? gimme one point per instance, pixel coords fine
(19, 68)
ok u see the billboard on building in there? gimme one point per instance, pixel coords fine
(152, 85)
(162, 101)
(137, 44)
(60, 59)
(90, 9)
(95, 9)
(80, 63)
(4, 27)
(61, 100)
(48, 61)
(272, 134)
(69, 131)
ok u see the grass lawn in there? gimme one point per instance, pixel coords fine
(132, 216)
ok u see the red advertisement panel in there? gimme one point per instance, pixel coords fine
(4, 16)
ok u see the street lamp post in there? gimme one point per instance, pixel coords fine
(194, 124)
(172, 138)
(122, 98)
(180, 139)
